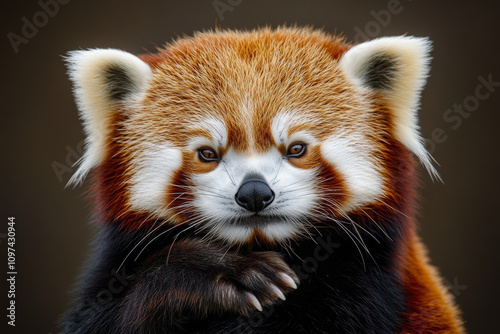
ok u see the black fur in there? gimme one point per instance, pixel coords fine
(337, 293)
(118, 82)
(380, 72)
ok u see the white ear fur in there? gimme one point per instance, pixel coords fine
(105, 82)
(396, 68)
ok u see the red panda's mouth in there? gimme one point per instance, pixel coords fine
(258, 220)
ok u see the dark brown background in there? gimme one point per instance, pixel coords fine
(39, 122)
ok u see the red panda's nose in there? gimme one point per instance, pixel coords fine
(254, 195)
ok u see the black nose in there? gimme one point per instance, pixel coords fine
(254, 195)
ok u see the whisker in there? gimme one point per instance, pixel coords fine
(227, 171)
(138, 244)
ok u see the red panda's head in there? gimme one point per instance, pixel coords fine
(244, 135)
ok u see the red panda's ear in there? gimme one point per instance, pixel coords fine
(396, 69)
(105, 81)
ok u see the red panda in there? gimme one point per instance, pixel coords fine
(256, 182)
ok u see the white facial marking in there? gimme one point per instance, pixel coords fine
(280, 125)
(217, 131)
(351, 157)
(152, 173)
(282, 230)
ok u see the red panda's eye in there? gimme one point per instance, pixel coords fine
(207, 155)
(296, 150)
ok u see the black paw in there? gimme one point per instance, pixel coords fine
(195, 280)
(253, 281)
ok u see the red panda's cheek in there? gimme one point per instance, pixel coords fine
(329, 182)
(354, 160)
(333, 189)
(150, 173)
(179, 195)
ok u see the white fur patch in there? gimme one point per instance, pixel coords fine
(352, 159)
(87, 71)
(282, 122)
(274, 230)
(152, 173)
(217, 130)
(231, 234)
(282, 230)
(412, 67)
(280, 125)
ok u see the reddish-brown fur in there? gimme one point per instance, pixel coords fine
(430, 306)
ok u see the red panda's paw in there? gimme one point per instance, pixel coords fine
(196, 279)
(260, 279)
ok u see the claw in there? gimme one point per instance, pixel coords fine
(254, 301)
(288, 280)
(277, 292)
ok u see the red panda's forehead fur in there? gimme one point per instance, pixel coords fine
(246, 79)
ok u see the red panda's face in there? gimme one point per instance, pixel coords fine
(233, 193)
(259, 136)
